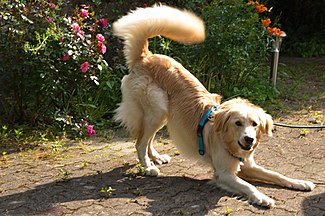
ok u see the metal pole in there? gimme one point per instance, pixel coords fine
(275, 59)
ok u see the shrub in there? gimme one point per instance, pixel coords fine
(52, 66)
(233, 61)
(313, 46)
(53, 72)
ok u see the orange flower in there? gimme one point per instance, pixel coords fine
(261, 8)
(270, 30)
(275, 31)
(250, 3)
(278, 32)
(266, 22)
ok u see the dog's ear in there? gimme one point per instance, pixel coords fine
(267, 124)
(217, 98)
(221, 120)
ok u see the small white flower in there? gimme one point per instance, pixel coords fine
(95, 79)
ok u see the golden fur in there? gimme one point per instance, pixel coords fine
(159, 91)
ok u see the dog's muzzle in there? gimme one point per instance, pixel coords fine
(249, 142)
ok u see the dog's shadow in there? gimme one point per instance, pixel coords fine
(163, 195)
(314, 205)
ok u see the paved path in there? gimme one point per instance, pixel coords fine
(97, 177)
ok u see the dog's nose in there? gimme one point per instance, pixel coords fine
(248, 140)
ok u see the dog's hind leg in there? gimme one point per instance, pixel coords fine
(143, 111)
(156, 157)
(153, 154)
(155, 106)
(144, 144)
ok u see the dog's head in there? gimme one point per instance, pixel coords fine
(241, 125)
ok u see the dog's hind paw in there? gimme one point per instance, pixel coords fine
(161, 159)
(261, 199)
(165, 158)
(152, 171)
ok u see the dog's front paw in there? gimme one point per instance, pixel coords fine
(152, 171)
(260, 199)
(302, 185)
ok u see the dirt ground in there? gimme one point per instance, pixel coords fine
(99, 176)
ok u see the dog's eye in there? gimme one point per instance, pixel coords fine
(254, 124)
(238, 123)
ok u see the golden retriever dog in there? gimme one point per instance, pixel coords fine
(158, 91)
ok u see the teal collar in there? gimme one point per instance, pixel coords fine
(203, 121)
(239, 158)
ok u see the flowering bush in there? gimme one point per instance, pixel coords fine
(260, 8)
(53, 65)
(82, 43)
(53, 71)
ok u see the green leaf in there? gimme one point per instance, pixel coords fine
(108, 83)
(89, 105)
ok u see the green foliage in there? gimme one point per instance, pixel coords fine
(64, 175)
(160, 45)
(4, 133)
(232, 59)
(53, 73)
(311, 47)
(107, 191)
(13, 138)
(52, 68)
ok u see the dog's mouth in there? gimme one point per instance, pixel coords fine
(245, 147)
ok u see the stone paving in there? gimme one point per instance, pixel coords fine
(99, 177)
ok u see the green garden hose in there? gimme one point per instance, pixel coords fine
(300, 126)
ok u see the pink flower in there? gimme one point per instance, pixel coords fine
(103, 22)
(48, 19)
(80, 34)
(90, 130)
(100, 37)
(145, 5)
(65, 57)
(52, 6)
(75, 27)
(102, 48)
(84, 67)
(84, 12)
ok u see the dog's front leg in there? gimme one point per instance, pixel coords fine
(233, 183)
(252, 171)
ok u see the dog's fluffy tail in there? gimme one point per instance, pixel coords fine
(143, 23)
